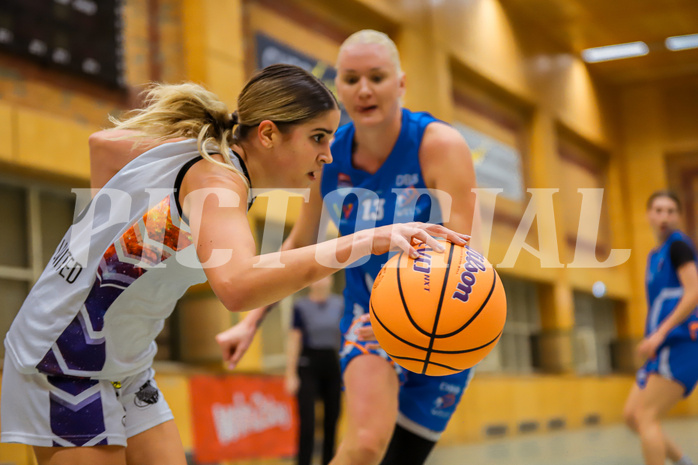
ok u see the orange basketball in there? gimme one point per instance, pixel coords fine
(440, 313)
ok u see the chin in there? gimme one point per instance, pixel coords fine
(369, 120)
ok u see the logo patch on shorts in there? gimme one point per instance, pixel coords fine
(146, 395)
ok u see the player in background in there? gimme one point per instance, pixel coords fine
(670, 349)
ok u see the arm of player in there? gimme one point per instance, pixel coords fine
(241, 279)
(236, 340)
(111, 150)
(688, 276)
(448, 167)
(293, 352)
(306, 230)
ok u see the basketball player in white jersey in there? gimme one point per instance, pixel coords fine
(77, 380)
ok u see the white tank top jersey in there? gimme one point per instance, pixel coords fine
(115, 277)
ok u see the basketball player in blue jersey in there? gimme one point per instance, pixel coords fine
(384, 160)
(77, 379)
(670, 348)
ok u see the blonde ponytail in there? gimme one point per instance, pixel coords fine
(185, 110)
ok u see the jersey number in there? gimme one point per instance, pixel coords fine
(372, 209)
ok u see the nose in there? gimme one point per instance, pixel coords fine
(325, 157)
(364, 87)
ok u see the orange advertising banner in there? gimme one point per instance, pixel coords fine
(242, 417)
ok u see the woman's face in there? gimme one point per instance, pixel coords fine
(305, 148)
(368, 83)
(663, 216)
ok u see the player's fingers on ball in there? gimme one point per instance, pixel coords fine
(434, 244)
(457, 238)
(419, 234)
(449, 235)
(401, 243)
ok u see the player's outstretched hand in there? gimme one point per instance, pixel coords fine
(365, 332)
(235, 341)
(291, 384)
(404, 236)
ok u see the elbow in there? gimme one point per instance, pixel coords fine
(233, 301)
(231, 294)
(233, 304)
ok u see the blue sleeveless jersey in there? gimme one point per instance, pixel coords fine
(664, 289)
(356, 200)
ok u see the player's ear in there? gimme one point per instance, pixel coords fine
(265, 133)
(402, 84)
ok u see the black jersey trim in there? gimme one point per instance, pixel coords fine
(178, 184)
(192, 162)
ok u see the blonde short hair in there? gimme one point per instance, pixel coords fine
(370, 36)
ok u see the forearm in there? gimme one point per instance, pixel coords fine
(293, 352)
(256, 317)
(683, 310)
(266, 279)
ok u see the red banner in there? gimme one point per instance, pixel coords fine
(242, 417)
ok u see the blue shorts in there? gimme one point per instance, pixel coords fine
(676, 362)
(426, 403)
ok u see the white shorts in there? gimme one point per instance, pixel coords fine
(54, 411)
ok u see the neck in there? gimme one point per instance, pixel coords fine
(259, 177)
(662, 237)
(376, 142)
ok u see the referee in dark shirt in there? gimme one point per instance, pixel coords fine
(313, 369)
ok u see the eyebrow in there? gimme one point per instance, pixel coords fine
(376, 68)
(326, 131)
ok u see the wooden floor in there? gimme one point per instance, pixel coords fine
(611, 445)
(603, 445)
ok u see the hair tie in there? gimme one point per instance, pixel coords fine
(231, 122)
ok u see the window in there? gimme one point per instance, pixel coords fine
(35, 217)
(594, 334)
(514, 352)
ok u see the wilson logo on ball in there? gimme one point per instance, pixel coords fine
(474, 263)
(422, 264)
